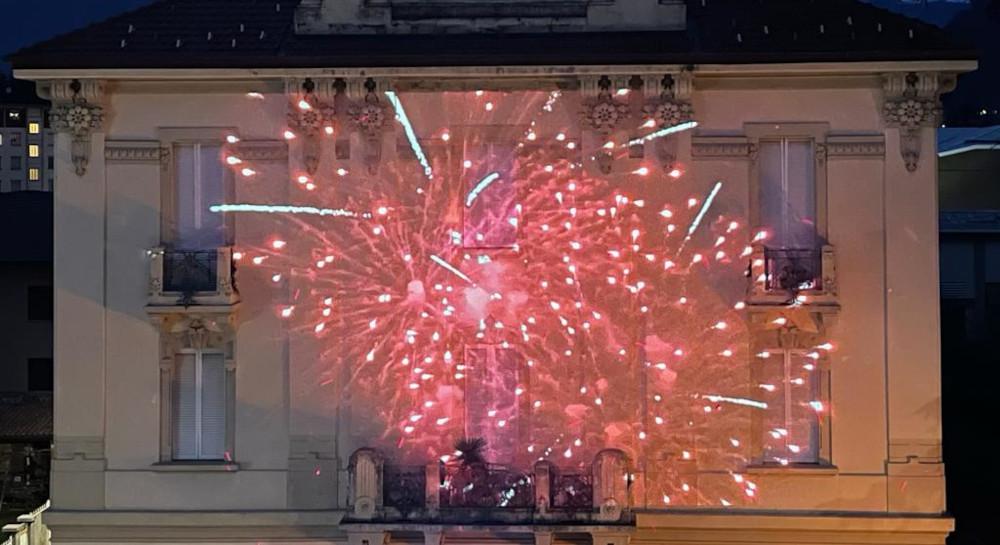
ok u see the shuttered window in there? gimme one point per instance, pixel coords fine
(199, 406)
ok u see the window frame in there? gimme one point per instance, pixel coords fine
(187, 342)
(760, 132)
(171, 139)
(823, 457)
(199, 356)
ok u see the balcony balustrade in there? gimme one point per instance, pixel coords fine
(381, 491)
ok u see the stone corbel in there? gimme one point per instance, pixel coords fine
(310, 112)
(77, 110)
(912, 103)
(603, 113)
(369, 116)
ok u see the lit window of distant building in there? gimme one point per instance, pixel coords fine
(33, 150)
(34, 175)
(34, 128)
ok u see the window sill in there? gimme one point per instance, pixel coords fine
(196, 467)
(793, 469)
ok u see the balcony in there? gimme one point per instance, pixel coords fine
(489, 493)
(786, 276)
(191, 278)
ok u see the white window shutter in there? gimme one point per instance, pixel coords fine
(213, 407)
(184, 390)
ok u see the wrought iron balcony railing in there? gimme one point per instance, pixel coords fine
(488, 492)
(192, 277)
(781, 275)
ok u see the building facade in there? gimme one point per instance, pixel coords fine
(26, 363)
(26, 140)
(651, 271)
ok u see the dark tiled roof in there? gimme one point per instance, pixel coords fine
(25, 417)
(259, 34)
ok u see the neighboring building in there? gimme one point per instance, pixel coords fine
(369, 271)
(26, 141)
(969, 201)
(26, 360)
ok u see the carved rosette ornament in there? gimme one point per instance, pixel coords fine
(604, 114)
(76, 113)
(912, 103)
(669, 100)
(368, 116)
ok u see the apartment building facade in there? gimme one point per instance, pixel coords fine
(26, 140)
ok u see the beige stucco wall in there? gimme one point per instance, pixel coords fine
(885, 371)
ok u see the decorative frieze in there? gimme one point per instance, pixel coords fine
(720, 147)
(135, 152)
(855, 146)
(261, 151)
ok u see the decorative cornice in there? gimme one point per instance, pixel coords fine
(262, 150)
(720, 147)
(853, 147)
(135, 152)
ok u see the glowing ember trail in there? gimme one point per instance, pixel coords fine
(286, 209)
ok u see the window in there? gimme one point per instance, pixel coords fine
(15, 139)
(39, 297)
(199, 406)
(15, 163)
(33, 128)
(52, 162)
(788, 192)
(490, 219)
(1, 138)
(40, 374)
(34, 174)
(792, 383)
(15, 118)
(15, 185)
(199, 184)
(33, 150)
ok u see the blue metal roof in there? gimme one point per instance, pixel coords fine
(955, 140)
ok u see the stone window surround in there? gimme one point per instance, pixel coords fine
(180, 334)
(758, 132)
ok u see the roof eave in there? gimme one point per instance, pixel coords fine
(958, 64)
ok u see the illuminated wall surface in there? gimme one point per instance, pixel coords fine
(515, 271)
